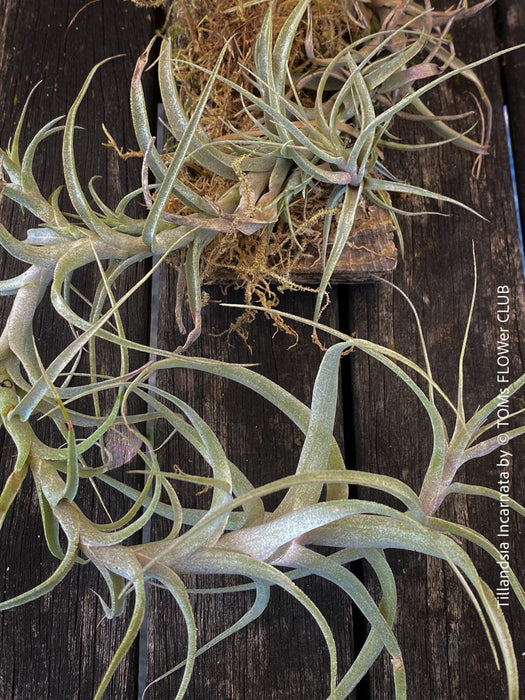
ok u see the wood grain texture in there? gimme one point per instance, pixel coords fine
(446, 652)
(60, 645)
(283, 654)
(370, 250)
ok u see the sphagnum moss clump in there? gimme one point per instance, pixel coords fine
(335, 141)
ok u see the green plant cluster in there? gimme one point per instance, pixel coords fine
(269, 548)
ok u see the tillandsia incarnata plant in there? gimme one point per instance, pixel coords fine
(294, 133)
(295, 147)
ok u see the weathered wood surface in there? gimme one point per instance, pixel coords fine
(446, 651)
(58, 647)
(270, 658)
(370, 252)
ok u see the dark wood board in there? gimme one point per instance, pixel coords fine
(282, 656)
(60, 645)
(446, 652)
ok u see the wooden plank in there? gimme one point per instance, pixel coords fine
(370, 250)
(282, 655)
(60, 645)
(445, 648)
(269, 659)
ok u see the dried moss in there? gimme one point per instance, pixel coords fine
(199, 29)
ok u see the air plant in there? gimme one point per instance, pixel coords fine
(289, 153)
(302, 126)
(256, 542)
